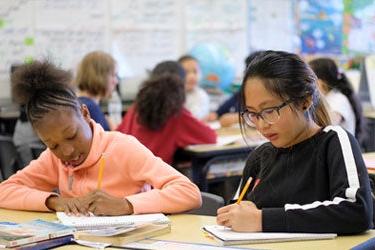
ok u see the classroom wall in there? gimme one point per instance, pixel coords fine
(140, 33)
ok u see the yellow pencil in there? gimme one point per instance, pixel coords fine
(244, 190)
(101, 170)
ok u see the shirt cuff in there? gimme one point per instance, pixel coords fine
(274, 220)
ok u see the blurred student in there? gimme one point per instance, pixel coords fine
(197, 100)
(227, 113)
(159, 120)
(78, 151)
(96, 80)
(27, 143)
(310, 177)
(345, 107)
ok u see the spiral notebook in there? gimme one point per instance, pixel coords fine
(96, 222)
(225, 236)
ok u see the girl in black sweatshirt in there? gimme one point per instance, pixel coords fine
(310, 176)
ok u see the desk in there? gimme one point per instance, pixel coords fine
(201, 154)
(187, 228)
(370, 142)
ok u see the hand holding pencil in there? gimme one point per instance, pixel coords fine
(244, 190)
(243, 216)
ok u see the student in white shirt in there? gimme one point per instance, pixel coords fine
(197, 100)
(345, 107)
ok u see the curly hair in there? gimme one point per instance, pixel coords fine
(42, 87)
(160, 97)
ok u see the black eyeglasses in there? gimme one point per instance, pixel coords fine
(270, 115)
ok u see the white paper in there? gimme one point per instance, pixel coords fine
(87, 222)
(226, 234)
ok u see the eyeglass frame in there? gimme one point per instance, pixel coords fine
(245, 116)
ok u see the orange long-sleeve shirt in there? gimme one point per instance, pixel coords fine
(128, 167)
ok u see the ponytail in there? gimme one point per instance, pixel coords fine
(347, 90)
(320, 114)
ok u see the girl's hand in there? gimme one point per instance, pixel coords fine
(76, 206)
(101, 203)
(243, 217)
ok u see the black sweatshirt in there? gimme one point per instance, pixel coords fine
(320, 185)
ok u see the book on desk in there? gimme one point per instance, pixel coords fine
(34, 234)
(117, 230)
(137, 233)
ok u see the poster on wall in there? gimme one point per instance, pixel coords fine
(359, 26)
(321, 25)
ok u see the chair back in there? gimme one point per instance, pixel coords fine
(8, 157)
(210, 204)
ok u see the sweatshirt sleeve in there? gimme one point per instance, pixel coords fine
(172, 192)
(29, 188)
(349, 209)
(192, 131)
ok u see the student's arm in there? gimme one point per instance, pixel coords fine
(192, 131)
(29, 188)
(172, 192)
(228, 105)
(349, 209)
(229, 119)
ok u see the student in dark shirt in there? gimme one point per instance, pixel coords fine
(310, 176)
(227, 113)
(96, 79)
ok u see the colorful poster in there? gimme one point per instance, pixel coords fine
(359, 26)
(321, 25)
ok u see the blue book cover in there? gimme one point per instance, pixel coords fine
(48, 244)
(16, 234)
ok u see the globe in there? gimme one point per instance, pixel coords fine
(216, 65)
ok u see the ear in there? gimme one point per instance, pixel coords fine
(306, 104)
(85, 113)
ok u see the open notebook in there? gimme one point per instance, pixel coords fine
(96, 222)
(226, 236)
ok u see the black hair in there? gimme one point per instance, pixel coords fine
(251, 57)
(161, 96)
(286, 75)
(186, 57)
(168, 67)
(42, 87)
(327, 70)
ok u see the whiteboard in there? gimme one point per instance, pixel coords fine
(139, 34)
(272, 25)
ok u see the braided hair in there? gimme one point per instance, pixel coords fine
(42, 87)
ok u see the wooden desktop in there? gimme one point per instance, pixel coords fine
(187, 228)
